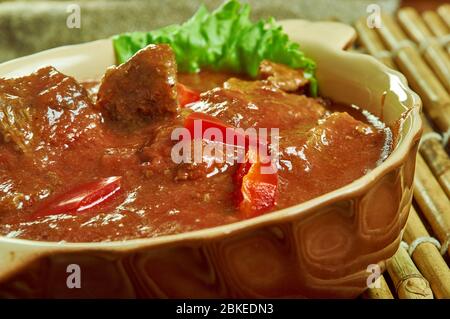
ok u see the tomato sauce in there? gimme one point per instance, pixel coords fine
(323, 146)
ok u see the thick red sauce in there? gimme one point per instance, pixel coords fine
(320, 152)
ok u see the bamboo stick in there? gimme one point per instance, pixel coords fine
(432, 51)
(438, 161)
(444, 12)
(427, 257)
(431, 149)
(437, 26)
(382, 292)
(409, 282)
(435, 98)
(427, 127)
(435, 155)
(432, 200)
(371, 41)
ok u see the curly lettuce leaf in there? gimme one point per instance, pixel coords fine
(225, 39)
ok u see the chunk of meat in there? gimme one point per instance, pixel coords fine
(15, 121)
(156, 153)
(142, 88)
(253, 104)
(46, 108)
(44, 117)
(195, 159)
(282, 76)
(206, 159)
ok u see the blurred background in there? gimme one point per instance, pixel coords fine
(28, 26)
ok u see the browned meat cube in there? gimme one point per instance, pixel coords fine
(198, 159)
(15, 125)
(43, 117)
(46, 108)
(253, 104)
(212, 160)
(141, 88)
(282, 76)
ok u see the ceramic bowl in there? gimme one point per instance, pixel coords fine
(325, 247)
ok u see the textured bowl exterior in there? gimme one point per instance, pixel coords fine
(321, 248)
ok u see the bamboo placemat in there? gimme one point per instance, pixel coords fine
(418, 45)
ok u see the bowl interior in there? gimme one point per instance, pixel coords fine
(345, 77)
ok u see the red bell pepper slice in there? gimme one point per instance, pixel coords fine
(208, 121)
(82, 197)
(186, 95)
(256, 191)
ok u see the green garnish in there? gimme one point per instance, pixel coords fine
(225, 39)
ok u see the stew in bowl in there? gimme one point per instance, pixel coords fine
(312, 185)
(92, 161)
